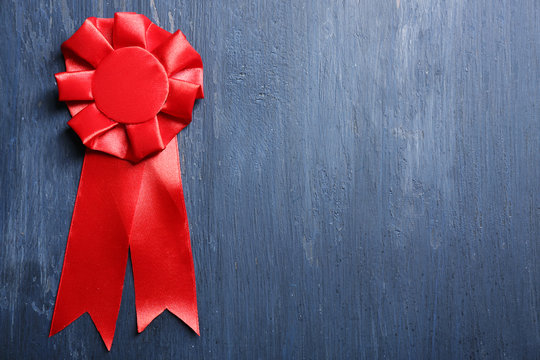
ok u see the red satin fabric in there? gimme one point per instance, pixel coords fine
(130, 87)
(133, 72)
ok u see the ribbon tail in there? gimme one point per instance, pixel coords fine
(96, 254)
(163, 269)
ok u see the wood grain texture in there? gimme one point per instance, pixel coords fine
(362, 180)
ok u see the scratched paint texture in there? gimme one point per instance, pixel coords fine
(362, 180)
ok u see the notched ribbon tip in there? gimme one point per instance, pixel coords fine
(105, 332)
(144, 319)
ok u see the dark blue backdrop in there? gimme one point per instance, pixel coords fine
(362, 180)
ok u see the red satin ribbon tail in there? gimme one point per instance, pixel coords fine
(121, 206)
(163, 270)
(178, 298)
(96, 254)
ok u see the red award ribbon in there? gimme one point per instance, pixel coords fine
(130, 87)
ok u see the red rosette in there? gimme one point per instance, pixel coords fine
(130, 87)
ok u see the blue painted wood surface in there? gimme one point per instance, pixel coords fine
(362, 180)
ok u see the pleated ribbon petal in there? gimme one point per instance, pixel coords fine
(75, 85)
(89, 44)
(129, 30)
(177, 54)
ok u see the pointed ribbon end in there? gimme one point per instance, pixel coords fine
(108, 344)
(105, 328)
(191, 318)
(144, 318)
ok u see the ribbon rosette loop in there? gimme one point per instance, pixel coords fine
(130, 87)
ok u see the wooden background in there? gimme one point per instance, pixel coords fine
(362, 180)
